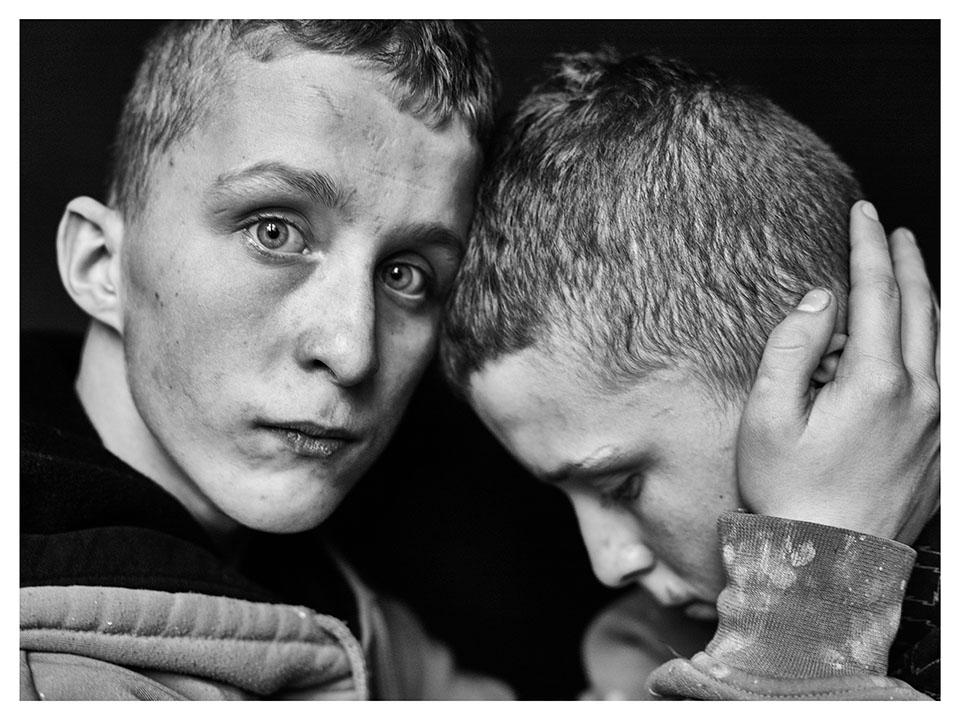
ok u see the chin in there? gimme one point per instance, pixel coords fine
(285, 513)
(281, 522)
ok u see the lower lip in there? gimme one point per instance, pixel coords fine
(310, 445)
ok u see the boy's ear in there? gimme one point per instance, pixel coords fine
(827, 369)
(88, 254)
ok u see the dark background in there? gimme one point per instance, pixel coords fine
(491, 560)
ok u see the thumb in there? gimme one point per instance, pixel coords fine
(792, 354)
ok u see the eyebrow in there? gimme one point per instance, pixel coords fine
(430, 234)
(594, 466)
(323, 190)
(279, 177)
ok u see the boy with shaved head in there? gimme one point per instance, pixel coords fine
(288, 205)
(641, 229)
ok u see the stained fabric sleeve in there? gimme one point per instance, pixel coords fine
(809, 612)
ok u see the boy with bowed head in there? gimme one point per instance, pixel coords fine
(641, 229)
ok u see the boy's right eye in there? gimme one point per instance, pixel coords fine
(275, 235)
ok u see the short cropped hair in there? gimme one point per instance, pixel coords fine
(636, 215)
(438, 68)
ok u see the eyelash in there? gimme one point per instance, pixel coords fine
(266, 253)
(623, 493)
(430, 283)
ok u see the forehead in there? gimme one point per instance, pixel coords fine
(327, 112)
(339, 92)
(550, 415)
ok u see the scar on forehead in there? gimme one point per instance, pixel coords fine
(321, 92)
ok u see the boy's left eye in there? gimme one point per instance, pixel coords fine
(625, 492)
(404, 278)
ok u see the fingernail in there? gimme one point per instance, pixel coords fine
(907, 235)
(869, 210)
(814, 301)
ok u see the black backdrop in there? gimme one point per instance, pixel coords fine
(490, 559)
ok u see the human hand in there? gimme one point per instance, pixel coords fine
(863, 451)
(633, 636)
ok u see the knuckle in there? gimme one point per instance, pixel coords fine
(762, 428)
(885, 381)
(886, 287)
(926, 397)
(789, 339)
(772, 384)
(922, 305)
(763, 392)
(765, 412)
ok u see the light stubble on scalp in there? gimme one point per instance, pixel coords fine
(636, 215)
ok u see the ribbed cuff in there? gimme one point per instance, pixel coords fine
(807, 600)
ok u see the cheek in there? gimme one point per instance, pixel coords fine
(406, 346)
(680, 528)
(188, 326)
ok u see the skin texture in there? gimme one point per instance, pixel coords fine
(329, 324)
(657, 529)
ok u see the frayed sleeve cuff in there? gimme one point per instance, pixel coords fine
(805, 600)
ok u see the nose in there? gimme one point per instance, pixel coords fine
(614, 540)
(340, 335)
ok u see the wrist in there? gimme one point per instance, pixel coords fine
(834, 515)
(806, 600)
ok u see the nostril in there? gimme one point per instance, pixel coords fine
(632, 577)
(636, 561)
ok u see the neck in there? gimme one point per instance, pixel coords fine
(106, 398)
